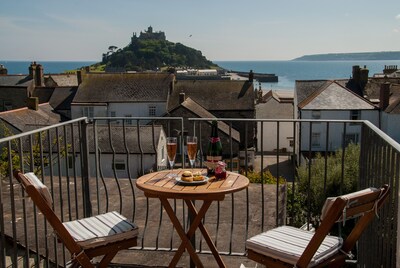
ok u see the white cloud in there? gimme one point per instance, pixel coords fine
(396, 30)
(398, 17)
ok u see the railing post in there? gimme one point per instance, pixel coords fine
(398, 233)
(87, 206)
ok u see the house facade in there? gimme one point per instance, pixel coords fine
(122, 151)
(274, 105)
(222, 99)
(122, 95)
(330, 100)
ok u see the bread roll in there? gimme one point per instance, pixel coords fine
(187, 176)
(197, 176)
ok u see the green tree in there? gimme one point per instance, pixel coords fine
(312, 191)
(32, 162)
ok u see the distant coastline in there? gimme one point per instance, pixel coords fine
(384, 55)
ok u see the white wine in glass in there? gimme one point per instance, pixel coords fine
(191, 143)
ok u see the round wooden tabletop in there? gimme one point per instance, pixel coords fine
(161, 184)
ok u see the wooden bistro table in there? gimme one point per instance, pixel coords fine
(161, 185)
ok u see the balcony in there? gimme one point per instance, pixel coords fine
(90, 167)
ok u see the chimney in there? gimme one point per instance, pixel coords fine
(364, 75)
(39, 79)
(181, 97)
(384, 96)
(356, 73)
(79, 77)
(33, 103)
(32, 70)
(251, 76)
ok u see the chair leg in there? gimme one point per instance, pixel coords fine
(107, 259)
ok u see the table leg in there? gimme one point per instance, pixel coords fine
(206, 236)
(181, 232)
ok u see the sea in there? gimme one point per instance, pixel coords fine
(290, 71)
(287, 71)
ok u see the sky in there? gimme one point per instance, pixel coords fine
(82, 30)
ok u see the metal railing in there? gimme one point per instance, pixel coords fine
(91, 167)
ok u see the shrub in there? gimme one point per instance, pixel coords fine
(268, 178)
(312, 191)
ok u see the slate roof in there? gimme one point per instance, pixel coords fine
(64, 80)
(275, 107)
(373, 93)
(304, 88)
(26, 119)
(62, 97)
(15, 80)
(203, 113)
(215, 95)
(394, 100)
(332, 96)
(124, 87)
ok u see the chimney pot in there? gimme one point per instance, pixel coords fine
(33, 103)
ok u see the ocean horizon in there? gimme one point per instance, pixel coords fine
(288, 71)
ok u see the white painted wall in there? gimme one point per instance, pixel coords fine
(150, 162)
(336, 130)
(269, 136)
(137, 109)
(391, 126)
(133, 109)
(78, 110)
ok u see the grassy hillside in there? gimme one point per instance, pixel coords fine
(386, 55)
(152, 54)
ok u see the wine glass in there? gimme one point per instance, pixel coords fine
(191, 143)
(171, 151)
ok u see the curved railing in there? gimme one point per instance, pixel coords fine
(90, 167)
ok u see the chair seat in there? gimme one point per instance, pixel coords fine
(101, 229)
(288, 243)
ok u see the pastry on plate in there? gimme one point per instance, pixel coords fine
(187, 176)
(197, 176)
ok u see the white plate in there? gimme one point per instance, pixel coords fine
(180, 181)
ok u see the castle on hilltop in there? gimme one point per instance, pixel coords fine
(148, 35)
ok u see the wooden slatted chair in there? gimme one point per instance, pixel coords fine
(101, 235)
(287, 246)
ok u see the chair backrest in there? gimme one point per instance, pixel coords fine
(40, 195)
(363, 204)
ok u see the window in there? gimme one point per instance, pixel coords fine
(112, 114)
(316, 139)
(152, 110)
(128, 121)
(355, 115)
(118, 164)
(88, 112)
(316, 114)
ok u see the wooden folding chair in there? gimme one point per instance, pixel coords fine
(287, 246)
(86, 238)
